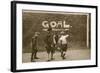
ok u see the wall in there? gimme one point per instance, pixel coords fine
(32, 22)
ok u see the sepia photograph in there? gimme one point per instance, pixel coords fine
(55, 36)
(48, 36)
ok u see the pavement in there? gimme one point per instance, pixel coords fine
(72, 54)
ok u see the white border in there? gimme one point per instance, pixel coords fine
(37, 65)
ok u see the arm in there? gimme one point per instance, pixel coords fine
(54, 41)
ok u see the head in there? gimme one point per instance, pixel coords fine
(49, 30)
(67, 31)
(62, 33)
(36, 34)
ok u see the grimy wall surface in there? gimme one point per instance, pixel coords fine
(32, 22)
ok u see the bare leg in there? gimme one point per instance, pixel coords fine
(35, 55)
(52, 56)
(64, 53)
(32, 59)
(61, 53)
(48, 57)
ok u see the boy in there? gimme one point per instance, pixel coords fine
(63, 44)
(34, 47)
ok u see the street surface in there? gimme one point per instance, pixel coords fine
(74, 54)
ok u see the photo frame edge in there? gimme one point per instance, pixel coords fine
(13, 36)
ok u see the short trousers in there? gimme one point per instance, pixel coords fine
(50, 49)
(64, 47)
(34, 49)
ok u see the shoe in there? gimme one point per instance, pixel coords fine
(36, 58)
(33, 61)
(64, 58)
(48, 60)
(52, 58)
